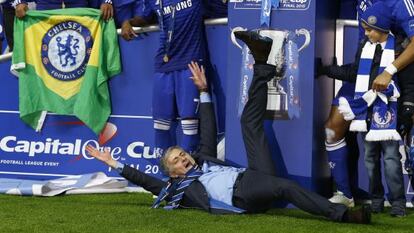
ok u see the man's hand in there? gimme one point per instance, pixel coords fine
(21, 10)
(104, 156)
(382, 81)
(127, 32)
(199, 76)
(319, 68)
(107, 11)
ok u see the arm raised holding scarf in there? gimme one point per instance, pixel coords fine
(400, 19)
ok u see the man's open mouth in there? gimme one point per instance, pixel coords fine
(187, 164)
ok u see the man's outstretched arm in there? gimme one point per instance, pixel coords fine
(208, 131)
(134, 14)
(149, 183)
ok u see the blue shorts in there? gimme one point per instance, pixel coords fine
(174, 95)
(347, 90)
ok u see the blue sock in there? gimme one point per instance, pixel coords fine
(338, 162)
(189, 138)
(163, 139)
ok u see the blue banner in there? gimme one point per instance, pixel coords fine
(300, 5)
(246, 78)
(292, 78)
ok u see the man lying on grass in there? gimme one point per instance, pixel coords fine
(204, 182)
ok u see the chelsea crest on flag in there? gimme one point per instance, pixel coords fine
(64, 59)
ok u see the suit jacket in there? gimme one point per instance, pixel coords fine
(195, 196)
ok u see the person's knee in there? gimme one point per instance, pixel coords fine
(290, 185)
(370, 162)
(334, 132)
(335, 127)
(330, 135)
(189, 126)
(392, 165)
(291, 189)
(285, 187)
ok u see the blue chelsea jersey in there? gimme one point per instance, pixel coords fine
(183, 20)
(402, 13)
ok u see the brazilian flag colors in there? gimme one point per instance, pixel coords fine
(64, 59)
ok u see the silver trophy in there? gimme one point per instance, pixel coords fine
(277, 100)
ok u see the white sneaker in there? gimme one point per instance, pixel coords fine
(340, 198)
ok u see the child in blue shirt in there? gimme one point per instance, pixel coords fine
(382, 137)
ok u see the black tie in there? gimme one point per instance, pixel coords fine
(376, 61)
(377, 54)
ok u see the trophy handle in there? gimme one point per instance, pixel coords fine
(305, 33)
(233, 37)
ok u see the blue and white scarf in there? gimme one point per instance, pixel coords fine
(384, 104)
(175, 190)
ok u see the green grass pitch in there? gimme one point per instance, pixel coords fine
(130, 212)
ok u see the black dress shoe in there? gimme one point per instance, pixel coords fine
(361, 215)
(398, 210)
(259, 46)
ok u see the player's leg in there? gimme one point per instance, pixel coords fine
(255, 141)
(256, 192)
(163, 111)
(187, 100)
(373, 165)
(394, 177)
(358, 194)
(336, 128)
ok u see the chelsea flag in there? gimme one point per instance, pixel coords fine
(63, 59)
